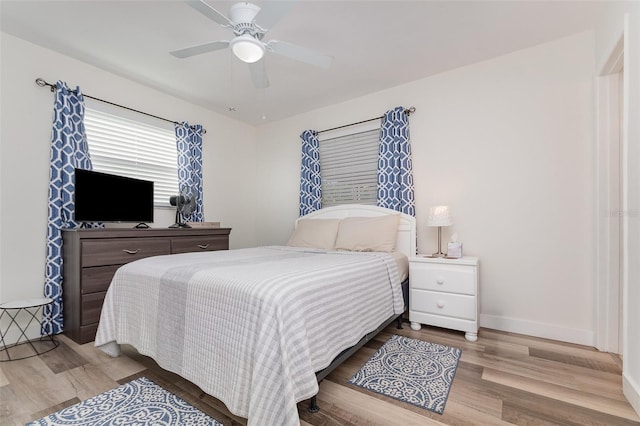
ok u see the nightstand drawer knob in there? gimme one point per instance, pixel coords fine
(440, 304)
(440, 280)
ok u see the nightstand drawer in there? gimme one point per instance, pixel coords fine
(451, 305)
(446, 278)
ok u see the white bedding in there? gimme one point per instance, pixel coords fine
(402, 262)
(251, 326)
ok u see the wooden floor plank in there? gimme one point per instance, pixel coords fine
(118, 368)
(521, 407)
(88, 381)
(553, 345)
(535, 410)
(63, 358)
(588, 362)
(561, 393)
(466, 396)
(578, 378)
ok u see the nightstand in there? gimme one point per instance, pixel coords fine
(444, 293)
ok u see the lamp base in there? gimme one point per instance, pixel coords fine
(439, 253)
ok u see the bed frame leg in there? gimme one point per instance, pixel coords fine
(313, 404)
(399, 326)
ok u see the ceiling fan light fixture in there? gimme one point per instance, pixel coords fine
(247, 48)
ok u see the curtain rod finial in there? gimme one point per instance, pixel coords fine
(42, 83)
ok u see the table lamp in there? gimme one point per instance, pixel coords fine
(439, 216)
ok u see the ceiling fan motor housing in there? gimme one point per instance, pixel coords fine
(242, 16)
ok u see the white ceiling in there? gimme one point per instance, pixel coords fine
(375, 45)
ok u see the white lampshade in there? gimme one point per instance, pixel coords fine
(439, 216)
(247, 48)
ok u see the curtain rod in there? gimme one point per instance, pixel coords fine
(42, 83)
(407, 111)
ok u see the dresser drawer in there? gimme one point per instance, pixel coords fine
(87, 333)
(446, 278)
(91, 307)
(451, 305)
(191, 244)
(122, 250)
(97, 278)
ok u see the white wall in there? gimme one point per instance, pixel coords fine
(623, 20)
(229, 157)
(507, 143)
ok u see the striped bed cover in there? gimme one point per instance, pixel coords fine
(250, 326)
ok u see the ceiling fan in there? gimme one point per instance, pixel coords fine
(249, 24)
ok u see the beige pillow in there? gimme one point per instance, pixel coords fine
(368, 233)
(316, 233)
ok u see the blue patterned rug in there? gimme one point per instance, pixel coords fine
(412, 371)
(139, 402)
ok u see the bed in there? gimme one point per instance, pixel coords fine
(258, 327)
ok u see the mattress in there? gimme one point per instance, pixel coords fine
(250, 326)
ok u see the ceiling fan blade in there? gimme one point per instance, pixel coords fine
(259, 74)
(209, 12)
(299, 53)
(272, 12)
(200, 49)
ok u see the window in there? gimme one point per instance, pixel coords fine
(349, 168)
(136, 147)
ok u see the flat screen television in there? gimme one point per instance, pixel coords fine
(103, 197)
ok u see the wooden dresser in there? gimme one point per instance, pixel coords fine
(92, 256)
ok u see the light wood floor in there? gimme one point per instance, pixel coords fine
(502, 378)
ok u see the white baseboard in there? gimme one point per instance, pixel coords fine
(631, 391)
(538, 329)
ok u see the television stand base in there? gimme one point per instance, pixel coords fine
(141, 225)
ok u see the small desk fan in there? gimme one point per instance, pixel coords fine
(185, 203)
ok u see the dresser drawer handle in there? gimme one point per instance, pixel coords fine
(440, 304)
(440, 280)
(131, 251)
(203, 246)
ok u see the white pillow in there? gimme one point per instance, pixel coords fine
(316, 233)
(377, 233)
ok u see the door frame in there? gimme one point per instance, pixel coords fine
(608, 206)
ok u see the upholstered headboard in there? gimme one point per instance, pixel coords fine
(406, 240)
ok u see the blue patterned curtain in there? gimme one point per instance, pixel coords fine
(395, 171)
(189, 145)
(310, 179)
(69, 150)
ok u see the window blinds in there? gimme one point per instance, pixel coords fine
(134, 149)
(348, 167)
